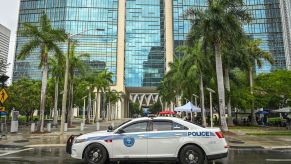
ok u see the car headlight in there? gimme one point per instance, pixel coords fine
(79, 140)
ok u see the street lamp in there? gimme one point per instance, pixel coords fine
(64, 100)
(195, 96)
(84, 109)
(210, 95)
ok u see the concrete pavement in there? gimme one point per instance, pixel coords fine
(24, 137)
(236, 138)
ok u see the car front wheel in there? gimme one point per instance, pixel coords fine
(95, 154)
(191, 154)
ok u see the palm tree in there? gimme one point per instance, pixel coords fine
(100, 82)
(219, 24)
(76, 65)
(254, 55)
(57, 71)
(193, 65)
(112, 97)
(230, 56)
(45, 38)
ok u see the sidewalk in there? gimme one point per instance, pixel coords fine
(257, 138)
(25, 138)
(237, 137)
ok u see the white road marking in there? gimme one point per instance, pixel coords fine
(13, 152)
(278, 160)
(46, 145)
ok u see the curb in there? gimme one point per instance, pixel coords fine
(247, 147)
(45, 145)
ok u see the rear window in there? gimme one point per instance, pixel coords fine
(162, 125)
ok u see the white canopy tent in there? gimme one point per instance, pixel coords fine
(189, 107)
(283, 110)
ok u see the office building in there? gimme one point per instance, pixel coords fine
(140, 37)
(4, 48)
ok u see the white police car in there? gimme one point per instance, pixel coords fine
(150, 139)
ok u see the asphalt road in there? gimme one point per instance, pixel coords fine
(58, 156)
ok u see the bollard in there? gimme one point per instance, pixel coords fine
(66, 127)
(97, 125)
(82, 126)
(2, 128)
(112, 124)
(49, 127)
(32, 128)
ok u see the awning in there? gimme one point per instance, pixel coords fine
(189, 107)
(283, 110)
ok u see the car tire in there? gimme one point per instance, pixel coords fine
(95, 154)
(191, 154)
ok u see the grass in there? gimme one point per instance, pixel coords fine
(271, 133)
(262, 131)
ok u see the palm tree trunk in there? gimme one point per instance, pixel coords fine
(227, 87)
(97, 100)
(65, 94)
(55, 120)
(43, 94)
(253, 114)
(202, 101)
(220, 86)
(89, 106)
(70, 108)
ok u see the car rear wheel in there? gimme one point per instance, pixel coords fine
(191, 154)
(95, 154)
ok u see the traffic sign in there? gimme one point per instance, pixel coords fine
(3, 95)
(2, 109)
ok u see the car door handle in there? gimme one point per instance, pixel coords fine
(141, 136)
(178, 134)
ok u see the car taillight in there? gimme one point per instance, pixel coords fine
(219, 134)
(108, 141)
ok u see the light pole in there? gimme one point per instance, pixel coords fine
(64, 100)
(84, 109)
(210, 95)
(195, 96)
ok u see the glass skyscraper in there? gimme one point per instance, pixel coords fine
(74, 16)
(140, 36)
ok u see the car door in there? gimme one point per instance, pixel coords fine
(132, 141)
(164, 138)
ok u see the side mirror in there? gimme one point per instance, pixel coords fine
(120, 131)
(110, 128)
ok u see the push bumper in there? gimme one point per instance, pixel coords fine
(217, 156)
(70, 143)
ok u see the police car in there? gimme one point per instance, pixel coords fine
(150, 139)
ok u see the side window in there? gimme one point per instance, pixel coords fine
(177, 126)
(162, 125)
(136, 127)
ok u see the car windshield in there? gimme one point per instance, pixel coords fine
(121, 124)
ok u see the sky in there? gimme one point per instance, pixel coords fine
(9, 18)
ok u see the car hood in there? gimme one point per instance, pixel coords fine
(95, 134)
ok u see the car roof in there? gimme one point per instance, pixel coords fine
(175, 119)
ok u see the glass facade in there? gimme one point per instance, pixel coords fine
(266, 25)
(144, 52)
(74, 16)
(181, 25)
(144, 34)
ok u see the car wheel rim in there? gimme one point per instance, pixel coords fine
(191, 157)
(95, 155)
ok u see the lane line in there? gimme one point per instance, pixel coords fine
(278, 160)
(13, 152)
